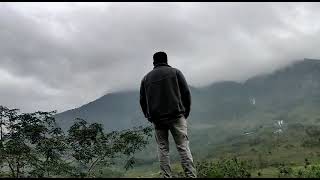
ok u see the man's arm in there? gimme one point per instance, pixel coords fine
(185, 93)
(143, 100)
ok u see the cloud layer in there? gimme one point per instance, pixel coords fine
(62, 55)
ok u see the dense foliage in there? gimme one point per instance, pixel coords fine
(228, 168)
(32, 145)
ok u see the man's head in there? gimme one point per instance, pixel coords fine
(160, 57)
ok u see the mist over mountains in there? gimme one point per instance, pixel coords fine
(271, 96)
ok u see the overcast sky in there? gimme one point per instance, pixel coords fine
(58, 56)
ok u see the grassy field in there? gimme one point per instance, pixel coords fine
(266, 150)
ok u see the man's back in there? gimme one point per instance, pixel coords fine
(166, 93)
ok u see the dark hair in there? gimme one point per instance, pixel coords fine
(160, 57)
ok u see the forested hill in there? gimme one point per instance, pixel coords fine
(278, 92)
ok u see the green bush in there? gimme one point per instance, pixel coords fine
(109, 173)
(312, 171)
(230, 168)
(308, 171)
(285, 171)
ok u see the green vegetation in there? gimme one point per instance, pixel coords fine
(293, 153)
(32, 145)
(222, 150)
(230, 168)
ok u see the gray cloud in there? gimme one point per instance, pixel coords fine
(62, 55)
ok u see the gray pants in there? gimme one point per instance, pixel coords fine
(178, 129)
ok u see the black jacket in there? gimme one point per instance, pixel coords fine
(164, 94)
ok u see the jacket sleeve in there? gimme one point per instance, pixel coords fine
(143, 101)
(185, 93)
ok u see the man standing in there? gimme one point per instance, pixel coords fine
(165, 101)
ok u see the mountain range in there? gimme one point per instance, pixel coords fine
(261, 98)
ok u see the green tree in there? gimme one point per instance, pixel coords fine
(32, 145)
(14, 150)
(93, 149)
(3, 113)
(51, 148)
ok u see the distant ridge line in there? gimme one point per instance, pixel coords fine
(311, 59)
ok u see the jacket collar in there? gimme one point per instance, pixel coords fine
(160, 64)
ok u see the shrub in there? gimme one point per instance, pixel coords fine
(285, 171)
(230, 168)
(312, 171)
